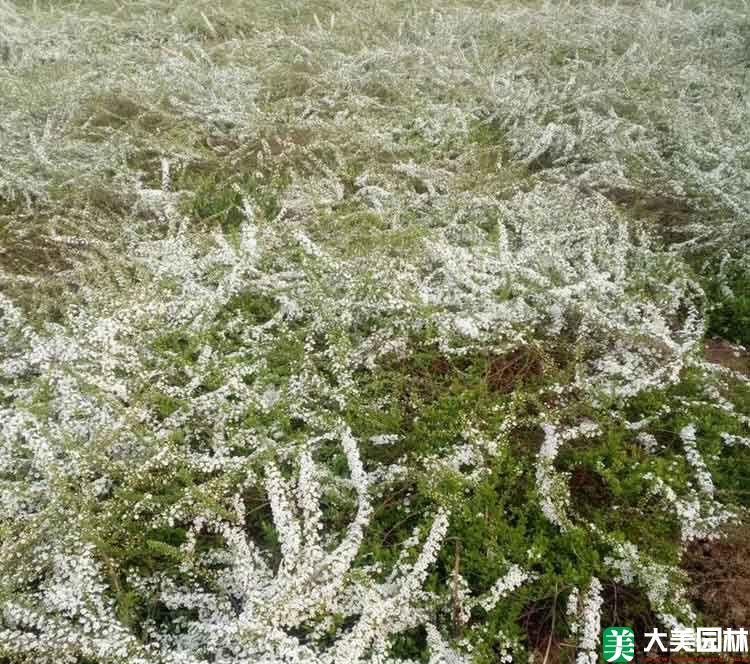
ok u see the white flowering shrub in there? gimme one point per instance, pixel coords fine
(351, 332)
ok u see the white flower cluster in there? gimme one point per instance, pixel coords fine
(732, 439)
(504, 585)
(254, 612)
(700, 518)
(661, 583)
(589, 619)
(700, 515)
(220, 228)
(552, 485)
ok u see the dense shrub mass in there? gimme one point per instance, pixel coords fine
(349, 332)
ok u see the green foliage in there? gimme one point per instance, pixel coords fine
(218, 199)
(729, 313)
(440, 231)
